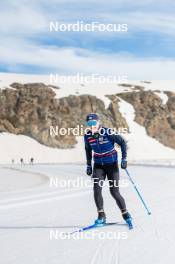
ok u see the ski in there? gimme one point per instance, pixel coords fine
(97, 226)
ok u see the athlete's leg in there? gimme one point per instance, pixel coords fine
(112, 172)
(98, 179)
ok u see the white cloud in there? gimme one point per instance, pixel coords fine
(21, 20)
(70, 60)
(24, 21)
(31, 17)
(157, 22)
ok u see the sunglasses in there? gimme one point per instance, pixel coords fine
(91, 123)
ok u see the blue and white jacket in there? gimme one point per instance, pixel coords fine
(103, 147)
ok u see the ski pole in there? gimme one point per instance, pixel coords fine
(140, 196)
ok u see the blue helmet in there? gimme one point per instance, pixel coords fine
(92, 119)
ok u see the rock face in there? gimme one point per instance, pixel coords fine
(31, 109)
(158, 119)
(28, 109)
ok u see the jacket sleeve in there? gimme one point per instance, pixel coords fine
(88, 151)
(121, 142)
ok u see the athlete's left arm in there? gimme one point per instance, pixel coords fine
(121, 142)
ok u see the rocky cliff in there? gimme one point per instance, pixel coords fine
(31, 109)
(156, 117)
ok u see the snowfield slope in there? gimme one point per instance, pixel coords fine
(33, 221)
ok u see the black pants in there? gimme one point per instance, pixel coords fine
(99, 175)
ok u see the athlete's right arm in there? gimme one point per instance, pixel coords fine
(88, 151)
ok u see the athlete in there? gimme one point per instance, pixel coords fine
(101, 142)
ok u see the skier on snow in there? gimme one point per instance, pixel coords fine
(99, 141)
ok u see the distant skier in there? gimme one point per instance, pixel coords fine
(31, 161)
(22, 161)
(99, 141)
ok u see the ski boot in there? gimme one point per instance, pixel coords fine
(101, 220)
(128, 219)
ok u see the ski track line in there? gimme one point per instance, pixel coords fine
(138, 226)
(27, 172)
(5, 202)
(115, 254)
(153, 227)
(96, 254)
(156, 231)
(114, 257)
(44, 194)
(31, 199)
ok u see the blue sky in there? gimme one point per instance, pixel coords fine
(145, 51)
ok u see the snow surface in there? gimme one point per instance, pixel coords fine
(32, 220)
(20, 146)
(34, 214)
(96, 88)
(139, 150)
(13, 179)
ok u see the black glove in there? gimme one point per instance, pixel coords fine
(124, 164)
(89, 170)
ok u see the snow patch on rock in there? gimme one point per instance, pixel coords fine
(141, 146)
(162, 96)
